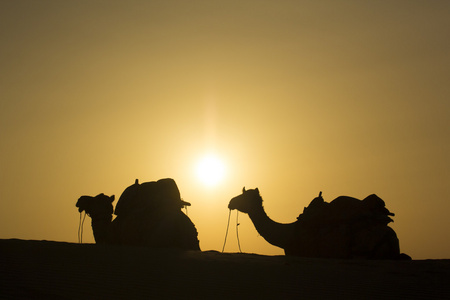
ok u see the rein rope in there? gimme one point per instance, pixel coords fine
(237, 231)
(226, 233)
(80, 228)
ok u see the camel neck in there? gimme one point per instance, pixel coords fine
(101, 227)
(277, 234)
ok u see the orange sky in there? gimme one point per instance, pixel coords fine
(296, 97)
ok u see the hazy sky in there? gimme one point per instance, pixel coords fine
(295, 97)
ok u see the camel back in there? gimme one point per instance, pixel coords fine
(345, 209)
(346, 228)
(149, 196)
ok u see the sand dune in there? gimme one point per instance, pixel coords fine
(58, 270)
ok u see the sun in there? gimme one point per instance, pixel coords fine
(210, 170)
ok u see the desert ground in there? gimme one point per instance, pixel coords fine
(33, 269)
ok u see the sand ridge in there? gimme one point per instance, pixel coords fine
(59, 270)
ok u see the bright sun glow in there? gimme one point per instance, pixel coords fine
(210, 170)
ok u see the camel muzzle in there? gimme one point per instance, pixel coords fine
(231, 205)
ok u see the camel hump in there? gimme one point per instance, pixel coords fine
(316, 203)
(149, 196)
(345, 209)
(315, 208)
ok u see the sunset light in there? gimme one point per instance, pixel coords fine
(210, 170)
(350, 98)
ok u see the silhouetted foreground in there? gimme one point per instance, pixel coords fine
(148, 214)
(344, 228)
(56, 270)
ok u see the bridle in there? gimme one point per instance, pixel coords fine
(237, 231)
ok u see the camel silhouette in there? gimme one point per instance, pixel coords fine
(344, 228)
(148, 214)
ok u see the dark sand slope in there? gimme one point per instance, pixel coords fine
(56, 270)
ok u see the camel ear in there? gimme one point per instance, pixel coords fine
(136, 181)
(257, 190)
(112, 198)
(243, 189)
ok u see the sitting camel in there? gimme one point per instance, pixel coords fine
(148, 214)
(344, 228)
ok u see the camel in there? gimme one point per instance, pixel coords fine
(148, 214)
(344, 228)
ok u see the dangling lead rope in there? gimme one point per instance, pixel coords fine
(237, 231)
(80, 228)
(226, 233)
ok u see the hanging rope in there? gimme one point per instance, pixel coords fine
(237, 231)
(80, 228)
(226, 233)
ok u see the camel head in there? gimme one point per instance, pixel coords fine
(247, 202)
(94, 206)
